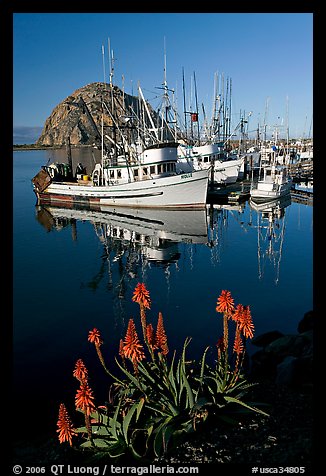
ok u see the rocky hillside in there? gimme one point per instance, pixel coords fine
(79, 116)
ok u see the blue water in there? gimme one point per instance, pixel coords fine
(67, 281)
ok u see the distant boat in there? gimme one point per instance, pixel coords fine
(274, 183)
(225, 170)
(305, 153)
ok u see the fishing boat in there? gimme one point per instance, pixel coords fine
(211, 150)
(274, 182)
(224, 169)
(139, 172)
(147, 180)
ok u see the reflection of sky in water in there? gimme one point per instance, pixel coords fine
(72, 274)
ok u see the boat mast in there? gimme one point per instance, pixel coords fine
(111, 67)
(166, 98)
(102, 123)
(223, 108)
(265, 120)
(166, 106)
(230, 86)
(211, 129)
(196, 102)
(226, 99)
(287, 153)
(184, 102)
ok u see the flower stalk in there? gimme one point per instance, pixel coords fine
(142, 297)
(65, 427)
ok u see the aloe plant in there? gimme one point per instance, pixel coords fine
(159, 399)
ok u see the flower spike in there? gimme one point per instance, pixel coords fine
(141, 295)
(94, 336)
(65, 428)
(161, 338)
(245, 323)
(225, 303)
(80, 371)
(84, 399)
(132, 348)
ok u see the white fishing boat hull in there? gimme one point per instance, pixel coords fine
(176, 191)
(227, 172)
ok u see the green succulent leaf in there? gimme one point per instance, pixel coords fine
(127, 420)
(235, 400)
(159, 437)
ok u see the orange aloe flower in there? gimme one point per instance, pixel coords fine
(236, 316)
(84, 399)
(80, 371)
(94, 336)
(238, 344)
(141, 295)
(225, 303)
(161, 339)
(65, 428)
(132, 348)
(150, 336)
(245, 323)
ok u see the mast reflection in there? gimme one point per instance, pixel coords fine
(133, 239)
(270, 226)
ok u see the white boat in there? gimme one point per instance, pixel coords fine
(305, 153)
(274, 183)
(145, 179)
(226, 168)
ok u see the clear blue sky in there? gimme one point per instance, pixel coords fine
(268, 56)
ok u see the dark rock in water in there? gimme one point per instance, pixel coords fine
(264, 339)
(303, 371)
(264, 364)
(289, 345)
(306, 324)
(288, 359)
(286, 370)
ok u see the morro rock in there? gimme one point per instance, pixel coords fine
(78, 118)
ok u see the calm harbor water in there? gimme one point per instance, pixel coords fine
(76, 270)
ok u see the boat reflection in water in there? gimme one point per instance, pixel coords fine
(133, 238)
(270, 228)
